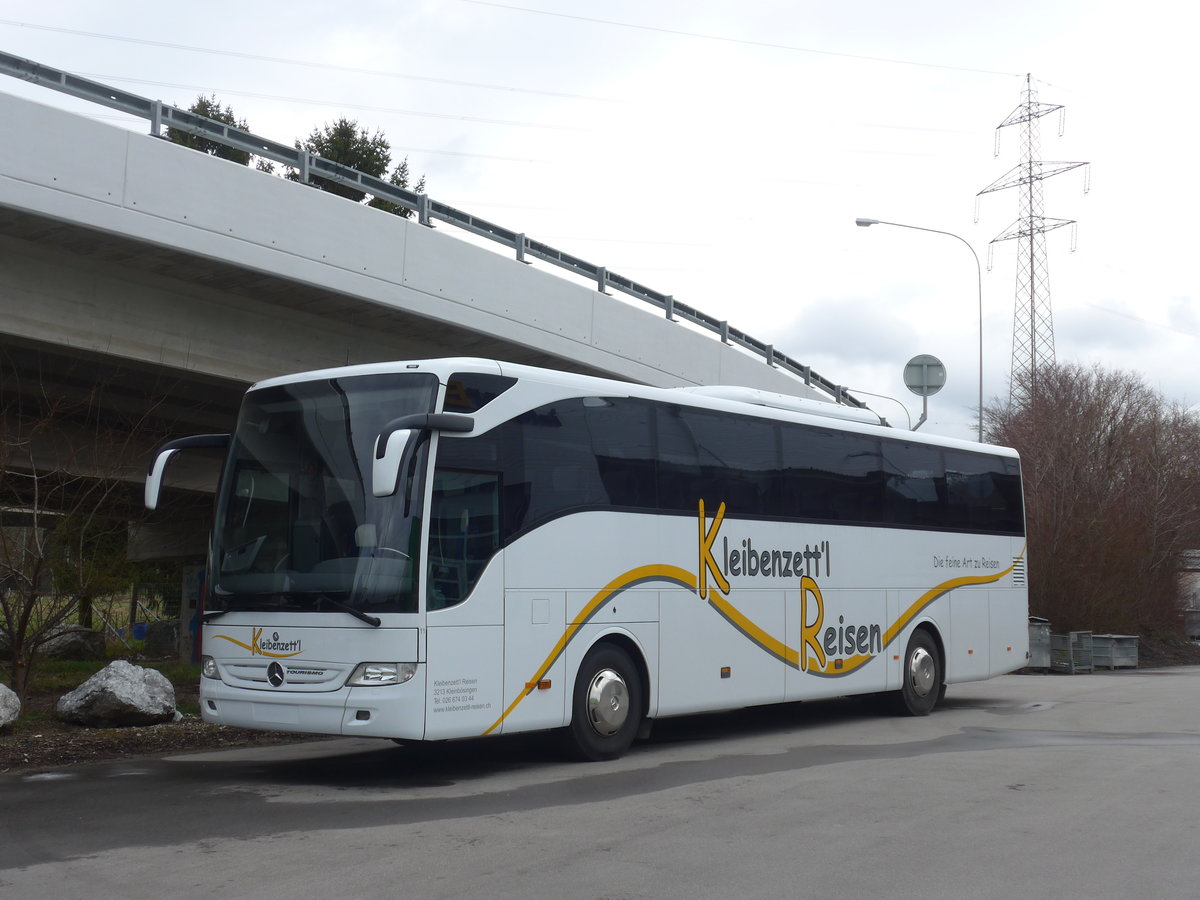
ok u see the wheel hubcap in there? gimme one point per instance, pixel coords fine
(607, 702)
(921, 672)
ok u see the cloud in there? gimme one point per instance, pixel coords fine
(853, 330)
(1108, 328)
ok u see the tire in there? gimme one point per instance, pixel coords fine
(607, 705)
(922, 677)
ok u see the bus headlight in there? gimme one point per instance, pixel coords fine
(372, 673)
(208, 667)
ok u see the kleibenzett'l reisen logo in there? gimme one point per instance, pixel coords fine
(825, 650)
(273, 646)
(826, 653)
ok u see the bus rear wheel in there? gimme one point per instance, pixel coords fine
(921, 676)
(607, 706)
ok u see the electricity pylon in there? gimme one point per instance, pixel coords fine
(1033, 319)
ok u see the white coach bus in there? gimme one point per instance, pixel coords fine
(452, 548)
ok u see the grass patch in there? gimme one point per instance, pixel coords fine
(178, 673)
(59, 676)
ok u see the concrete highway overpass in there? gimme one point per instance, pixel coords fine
(164, 281)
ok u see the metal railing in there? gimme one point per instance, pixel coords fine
(308, 165)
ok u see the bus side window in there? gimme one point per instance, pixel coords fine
(719, 458)
(558, 463)
(465, 516)
(983, 492)
(622, 441)
(914, 484)
(464, 533)
(830, 475)
(469, 392)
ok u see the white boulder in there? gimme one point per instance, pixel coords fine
(73, 642)
(10, 706)
(120, 694)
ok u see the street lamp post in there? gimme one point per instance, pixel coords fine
(864, 223)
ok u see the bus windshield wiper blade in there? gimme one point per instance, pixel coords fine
(294, 600)
(209, 616)
(357, 613)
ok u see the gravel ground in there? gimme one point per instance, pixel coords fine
(39, 741)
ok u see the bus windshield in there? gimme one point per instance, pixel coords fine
(297, 526)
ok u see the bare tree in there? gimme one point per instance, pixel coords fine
(1112, 486)
(68, 480)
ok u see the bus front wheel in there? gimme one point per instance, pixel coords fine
(921, 676)
(607, 706)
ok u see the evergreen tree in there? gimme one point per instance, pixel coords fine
(347, 144)
(211, 108)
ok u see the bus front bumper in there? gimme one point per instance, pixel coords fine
(385, 711)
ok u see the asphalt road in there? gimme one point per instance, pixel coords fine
(1037, 786)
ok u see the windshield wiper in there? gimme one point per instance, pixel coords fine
(357, 613)
(291, 598)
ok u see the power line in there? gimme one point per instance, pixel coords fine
(1143, 320)
(340, 104)
(728, 40)
(303, 62)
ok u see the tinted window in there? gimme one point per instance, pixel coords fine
(464, 532)
(717, 457)
(830, 475)
(467, 392)
(622, 436)
(555, 463)
(983, 492)
(914, 484)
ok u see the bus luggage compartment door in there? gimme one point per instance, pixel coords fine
(535, 623)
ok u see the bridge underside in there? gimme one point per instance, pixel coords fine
(79, 289)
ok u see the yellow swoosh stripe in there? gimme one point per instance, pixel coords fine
(621, 583)
(741, 622)
(791, 656)
(852, 663)
(929, 596)
(254, 650)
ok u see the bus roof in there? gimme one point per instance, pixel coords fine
(732, 398)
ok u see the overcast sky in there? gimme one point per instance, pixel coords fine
(721, 152)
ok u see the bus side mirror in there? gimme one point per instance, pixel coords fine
(390, 450)
(393, 443)
(155, 476)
